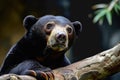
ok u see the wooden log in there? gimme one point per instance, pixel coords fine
(96, 67)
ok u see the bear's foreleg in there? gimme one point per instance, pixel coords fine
(33, 68)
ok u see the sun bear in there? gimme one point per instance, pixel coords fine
(43, 46)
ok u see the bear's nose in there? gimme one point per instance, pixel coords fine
(60, 38)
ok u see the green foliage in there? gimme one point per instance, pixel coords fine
(100, 14)
(117, 8)
(105, 11)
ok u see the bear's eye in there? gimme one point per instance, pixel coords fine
(49, 26)
(69, 30)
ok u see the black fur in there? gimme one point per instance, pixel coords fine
(30, 52)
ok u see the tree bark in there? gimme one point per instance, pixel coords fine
(96, 67)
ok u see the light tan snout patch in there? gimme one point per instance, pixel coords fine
(52, 41)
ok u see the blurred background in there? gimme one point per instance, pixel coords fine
(92, 40)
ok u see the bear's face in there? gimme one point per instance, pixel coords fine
(58, 32)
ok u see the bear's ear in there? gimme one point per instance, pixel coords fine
(78, 27)
(29, 21)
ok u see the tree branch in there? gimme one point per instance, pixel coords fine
(93, 68)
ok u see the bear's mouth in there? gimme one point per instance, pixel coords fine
(58, 46)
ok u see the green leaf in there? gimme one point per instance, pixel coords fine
(117, 8)
(99, 15)
(98, 11)
(109, 17)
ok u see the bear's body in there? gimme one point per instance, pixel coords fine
(44, 45)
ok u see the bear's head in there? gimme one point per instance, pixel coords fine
(57, 32)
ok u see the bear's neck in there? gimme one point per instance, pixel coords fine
(31, 46)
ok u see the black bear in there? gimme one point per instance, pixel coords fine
(43, 46)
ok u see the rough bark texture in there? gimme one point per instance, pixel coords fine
(96, 67)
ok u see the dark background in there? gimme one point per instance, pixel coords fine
(92, 40)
